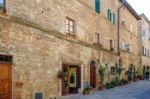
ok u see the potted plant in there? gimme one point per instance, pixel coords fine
(61, 74)
(108, 85)
(112, 49)
(87, 91)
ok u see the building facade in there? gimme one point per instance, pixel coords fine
(43, 40)
(145, 42)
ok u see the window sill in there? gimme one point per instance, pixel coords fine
(70, 35)
(125, 50)
(98, 45)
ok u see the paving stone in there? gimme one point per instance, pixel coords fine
(140, 90)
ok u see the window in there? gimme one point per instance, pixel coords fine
(97, 6)
(113, 70)
(144, 51)
(2, 6)
(148, 52)
(131, 28)
(111, 16)
(114, 18)
(123, 45)
(143, 34)
(4, 58)
(111, 45)
(97, 38)
(70, 26)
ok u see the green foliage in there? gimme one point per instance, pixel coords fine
(131, 73)
(115, 83)
(1, 8)
(119, 69)
(101, 73)
(123, 82)
(108, 85)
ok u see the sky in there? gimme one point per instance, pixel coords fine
(1, 1)
(141, 6)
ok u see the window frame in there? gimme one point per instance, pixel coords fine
(97, 38)
(144, 51)
(68, 26)
(112, 46)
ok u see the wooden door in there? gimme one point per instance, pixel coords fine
(5, 81)
(78, 77)
(92, 75)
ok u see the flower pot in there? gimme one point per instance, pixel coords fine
(86, 92)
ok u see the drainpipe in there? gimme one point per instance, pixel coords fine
(118, 27)
(118, 34)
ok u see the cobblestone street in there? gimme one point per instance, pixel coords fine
(140, 90)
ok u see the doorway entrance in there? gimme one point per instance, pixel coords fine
(71, 81)
(93, 74)
(5, 77)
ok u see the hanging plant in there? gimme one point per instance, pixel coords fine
(61, 74)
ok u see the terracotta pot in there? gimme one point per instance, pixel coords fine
(86, 93)
(101, 88)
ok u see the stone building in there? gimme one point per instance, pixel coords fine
(130, 39)
(40, 39)
(145, 42)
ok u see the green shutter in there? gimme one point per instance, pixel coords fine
(97, 6)
(108, 14)
(114, 18)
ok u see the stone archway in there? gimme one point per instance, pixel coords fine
(131, 74)
(93, 74)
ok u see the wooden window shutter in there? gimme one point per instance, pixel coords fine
(108, 14)
(97, 6)
(78, 77)
(114, 18)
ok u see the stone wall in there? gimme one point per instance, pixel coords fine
(34, 34)
(37, 57)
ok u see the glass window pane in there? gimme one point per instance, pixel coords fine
(71, 23)
(67, 21)
(71, 29)
(67, 27)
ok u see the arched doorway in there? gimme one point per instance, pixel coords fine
(93, 74)
(131, 72)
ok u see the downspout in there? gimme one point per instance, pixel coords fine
(118, 34)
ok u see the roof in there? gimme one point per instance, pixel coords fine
(130, 8)
(145, 17)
